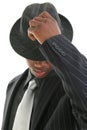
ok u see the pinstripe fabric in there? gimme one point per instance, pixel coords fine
(71, 67)
(49, 95)
(54, 109)
(62, 119)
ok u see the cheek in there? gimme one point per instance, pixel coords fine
(49, 66)
(30, 64)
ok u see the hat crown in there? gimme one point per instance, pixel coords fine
(34, 10)
(19, 39)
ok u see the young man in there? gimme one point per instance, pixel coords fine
(57, 99)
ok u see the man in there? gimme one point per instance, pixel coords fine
(58, 100)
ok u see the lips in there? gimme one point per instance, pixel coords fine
(39, 70)
(39, 73)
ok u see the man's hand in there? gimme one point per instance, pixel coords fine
(43, 27)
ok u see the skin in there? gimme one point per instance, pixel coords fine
(39, 69)
(42, 27)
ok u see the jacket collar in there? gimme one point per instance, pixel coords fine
(11, 90)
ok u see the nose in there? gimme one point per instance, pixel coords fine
(38, 64)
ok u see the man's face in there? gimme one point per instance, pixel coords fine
(39, 69)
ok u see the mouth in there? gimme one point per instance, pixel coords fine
(39, 73)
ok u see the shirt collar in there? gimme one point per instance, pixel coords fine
(28, 79)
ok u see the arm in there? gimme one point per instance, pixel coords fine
(71, 67)
(68, 62)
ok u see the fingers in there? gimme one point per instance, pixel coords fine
(30, 35)
(43, 17)
(45, 14)
(40, 19)
(34, 23)
(42, 27)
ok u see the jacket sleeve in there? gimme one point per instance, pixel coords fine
(71, 66)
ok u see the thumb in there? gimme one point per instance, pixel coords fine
(30, 35)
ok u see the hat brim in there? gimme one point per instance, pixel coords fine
(28, 48)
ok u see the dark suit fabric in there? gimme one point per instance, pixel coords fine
(62, 97)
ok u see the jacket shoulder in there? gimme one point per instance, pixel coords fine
(16, 79)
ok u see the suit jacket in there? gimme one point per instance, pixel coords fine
(62, 100)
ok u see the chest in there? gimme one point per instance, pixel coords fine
(50, 109)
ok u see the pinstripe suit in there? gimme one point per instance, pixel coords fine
(53, 112)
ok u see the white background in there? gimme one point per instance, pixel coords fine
(12, 64)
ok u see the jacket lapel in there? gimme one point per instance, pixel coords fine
(47, 92)
(12, 89)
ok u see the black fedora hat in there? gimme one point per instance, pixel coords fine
(18, 35)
